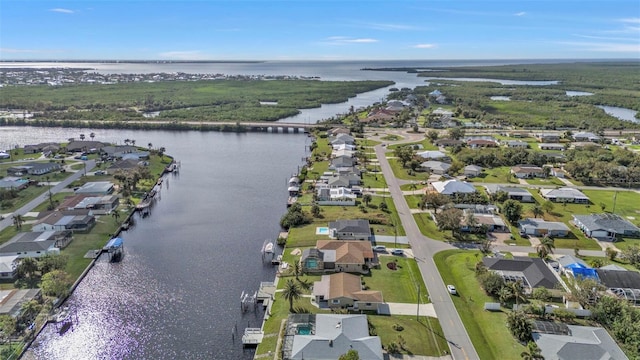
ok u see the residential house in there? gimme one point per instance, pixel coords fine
(350, 229)
(96, 188)
(533, 272)
(516, 144)
(573, 266)
(341, 196)
(137, 156)
(89, 205)
(551, 146)
(436, 167)
(338, 130)
(123, 166)
(514, 193)
(343, 139)
(578, 343)
(539, 227)
(36, 244)
(565, 194)
(623, 283)
(559, 173)
(490, 221)
(449, 142)
(329, 336)
(586, 136)
(605, 226)
(527, 171)
(342, 162)
(481, 143)
(117, 151)
(86, 146)
(33, 169)
(453, 186)
(548, 138)
(472, 170)
(343, 153)
(12, 182)
(336, 181)
(585, 145)
(344, 290)
(331, 256)
(8, 267)
(12, 300)
(344, 147)
(432, 155)
(59, 221)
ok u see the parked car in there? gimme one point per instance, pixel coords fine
(399, 252)
(380, 248)
(99, 172)
(452, 290)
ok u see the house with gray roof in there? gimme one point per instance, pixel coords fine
(96, 188)
(341, 162)
(350, 229)
(623, 283)
(34, 168)
(8, 267)
(586, 136)
(565, 194)
(436, 167)
(539, 227)
(514, 193)
(36, 244)
(347, 180)
(12, 300)
(532, 271)
(453, 186)
(329, 336)
(516, 144)
(432, 155)
(78, 146)
(527, 171)
(472, 170)
(582, 342)
(59, 221)
(551, 146)
(605, 226)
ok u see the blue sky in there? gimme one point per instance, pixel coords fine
(319, 30)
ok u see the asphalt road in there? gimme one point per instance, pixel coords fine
(423, 249)
(8, 220)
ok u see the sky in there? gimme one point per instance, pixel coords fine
(319, 30)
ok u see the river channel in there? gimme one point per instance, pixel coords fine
(175, 295)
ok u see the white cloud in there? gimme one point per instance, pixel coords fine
(631, 20)
(424, 46)
(521, 13)
(342, 40)
(183, 55)
(387, 26)
(61, 10)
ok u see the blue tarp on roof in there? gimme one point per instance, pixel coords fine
(115, 243)
(586, 273)
(575, 266)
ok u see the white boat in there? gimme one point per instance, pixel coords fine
(62, 315)
(268, 248)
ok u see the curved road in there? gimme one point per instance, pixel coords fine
(424, 248)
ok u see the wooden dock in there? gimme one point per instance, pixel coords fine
(266, 291)
(252, 336)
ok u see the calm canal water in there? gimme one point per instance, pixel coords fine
(175, 295)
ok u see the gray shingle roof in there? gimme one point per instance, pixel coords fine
(605, 221)
(619, 279)
(585, 342)
(533, 269)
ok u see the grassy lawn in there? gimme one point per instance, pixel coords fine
(428, 228)
(548, 182)
(589, 260)
(392, 137)
(24, 196)
(423, 337)
(627, 242)
(56, 198)
(96, 239)
(413, 201)
(403, 173)
(425, 144)
(487, 330)
(627, 203)
(499, 175)
(397, 285)
(373, 180)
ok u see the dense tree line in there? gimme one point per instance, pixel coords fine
(593, 165)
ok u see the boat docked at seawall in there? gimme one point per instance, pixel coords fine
(115, 249)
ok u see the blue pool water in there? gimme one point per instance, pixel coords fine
(303, 330)
(322, 231)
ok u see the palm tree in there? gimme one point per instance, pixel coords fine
(532, 352)
(537, 211)
(545, 247)
(297, 269)
(116, 215)
(81, 136)
(150, 145)
(127, 141)
(92, 135)
(366, 199)
(517, 290)
(291, 292)
(17, 221)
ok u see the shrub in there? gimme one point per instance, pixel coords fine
(397, 327)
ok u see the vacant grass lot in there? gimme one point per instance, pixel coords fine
(403, 173)
(423, 337)
(487, 330)
(398, 285)
(429, 228)
(498, 175)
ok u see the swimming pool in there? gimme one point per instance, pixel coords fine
(322, 231)
(303, 329)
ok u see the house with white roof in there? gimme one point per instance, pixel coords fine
(432, 155)
(436, 167)
(565, 194)
(453, 186)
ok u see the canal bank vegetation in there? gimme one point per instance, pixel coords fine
(207, 101)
